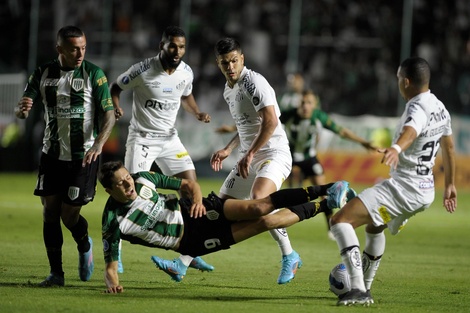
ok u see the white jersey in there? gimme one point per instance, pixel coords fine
(157, 95)
(431, 120)
(410, 189)
(250, 94)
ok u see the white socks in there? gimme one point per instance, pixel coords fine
(346, 238)
(375, 247)
(186, 259)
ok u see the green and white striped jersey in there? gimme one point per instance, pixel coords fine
(74, 103)
(303, 133)
(152, 219)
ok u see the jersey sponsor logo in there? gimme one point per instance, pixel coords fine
(144, 66)
(51, 82)
(264, 164)
(102, 80)
(153, 84)
(181, 85)
(167, 90)
(212, 215)
(73, 192)
(125, 80)
(426, 184)
(437, 117)
(243, 119)
(182, 155)
(229, 183)
(384, 214)
(160, 105)
(248, 85)
(78, 84)
(63, 99)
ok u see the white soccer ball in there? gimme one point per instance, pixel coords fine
(339, 280)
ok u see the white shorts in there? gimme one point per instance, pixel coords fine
(392, 202)
(275, 165)
(168, 152)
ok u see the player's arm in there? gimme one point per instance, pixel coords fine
(349, 134)
(269, 122)
(407, 136)
(192, 188)
(189, 104)
(115, 96)
(107, 125)
(111, 278)
(448, 161)
(219, 156)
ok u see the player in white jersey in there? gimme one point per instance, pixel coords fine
(160, 85)
(264, 156)
(424, 128)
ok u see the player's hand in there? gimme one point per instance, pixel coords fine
(390, 157)
(450, 198)
(24, 106)
(116, 289)
(197, 210)
(91, 155)
(217, 158)
(244, 165)
(118, 113)
(203, 117)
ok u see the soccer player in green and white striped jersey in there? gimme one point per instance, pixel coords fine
(137, 212)
(79, 117)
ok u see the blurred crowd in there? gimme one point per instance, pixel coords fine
(349, 50)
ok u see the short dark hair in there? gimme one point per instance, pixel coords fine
(417, 70)
(70, 31)
(172, 31)
(226, 45)
(106, 172)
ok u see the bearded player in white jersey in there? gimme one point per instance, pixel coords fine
(424, 128)
(264, 156)
(160, 85)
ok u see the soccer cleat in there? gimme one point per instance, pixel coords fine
(351, 194)
(355, 296)
(337, 194)
(53, 280)
(199, 264)
(85, 263)
(175, 268)
(290, 264)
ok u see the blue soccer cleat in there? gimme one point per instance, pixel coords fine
(175, 268)
(85, 263)
(290, 264)
(337, 194)
(199, 264)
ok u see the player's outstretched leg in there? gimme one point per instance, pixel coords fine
(199, 264)
(175, 268)
(350, 194)
(290, 264)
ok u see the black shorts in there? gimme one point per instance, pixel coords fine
(207, 234)
(74, 183)
(310, 167)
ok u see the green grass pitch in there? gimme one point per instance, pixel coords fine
(426, 268)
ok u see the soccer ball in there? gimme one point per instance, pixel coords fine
(339, 280)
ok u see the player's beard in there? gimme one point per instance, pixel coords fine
(168, 61)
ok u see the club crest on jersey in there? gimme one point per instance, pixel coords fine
(73, 193)
(78, 84)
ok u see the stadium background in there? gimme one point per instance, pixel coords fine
(347, 51)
